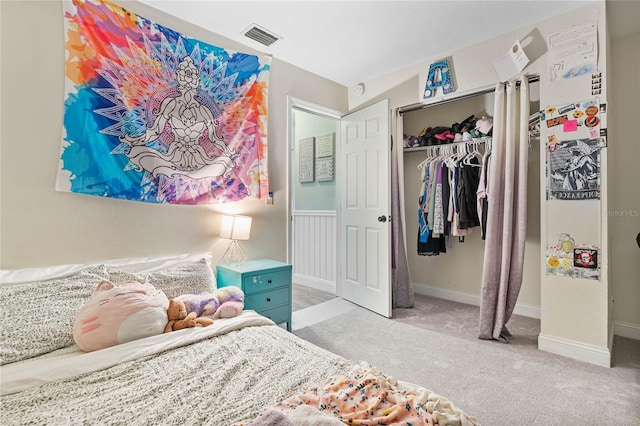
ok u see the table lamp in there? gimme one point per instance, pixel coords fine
(235, 228)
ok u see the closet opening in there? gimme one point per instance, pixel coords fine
(457, 273)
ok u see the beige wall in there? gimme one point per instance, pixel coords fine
(40, 226)
(574, 313)
(624, 178)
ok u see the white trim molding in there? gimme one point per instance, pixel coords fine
(628, 330)
(471, 299)
(575, 350)
(313, 282)
(314, 249)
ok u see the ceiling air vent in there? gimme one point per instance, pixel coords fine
(261, 35)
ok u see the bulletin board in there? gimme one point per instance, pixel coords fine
(576, 133)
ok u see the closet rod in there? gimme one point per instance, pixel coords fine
(481, 140)
(415, 107)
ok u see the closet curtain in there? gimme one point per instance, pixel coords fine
(507, 204)
(401, 289)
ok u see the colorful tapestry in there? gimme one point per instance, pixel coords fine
(156, 116)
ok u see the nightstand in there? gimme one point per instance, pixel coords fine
(266, 285)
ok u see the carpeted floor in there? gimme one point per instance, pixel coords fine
(434, 345)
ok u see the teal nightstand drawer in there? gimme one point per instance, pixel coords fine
(279, 315)
(266, 285)
(267, 299)
(266, 280)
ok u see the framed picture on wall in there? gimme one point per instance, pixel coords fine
(324, 169)
(324, 145)
(306, 157)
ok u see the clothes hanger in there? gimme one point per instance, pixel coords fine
(464, 152)
(427, 160)
(452, 153)
(474, 153)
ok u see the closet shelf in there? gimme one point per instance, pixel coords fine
(532, 134)
(424, 148)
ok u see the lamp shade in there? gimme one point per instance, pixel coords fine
(235, 227)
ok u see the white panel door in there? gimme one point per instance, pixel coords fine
(364, 191)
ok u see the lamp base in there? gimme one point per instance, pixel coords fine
(234, 254)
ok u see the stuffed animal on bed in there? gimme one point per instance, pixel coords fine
(120, 313)
(231, 300)
(225, 302)
(179, 319)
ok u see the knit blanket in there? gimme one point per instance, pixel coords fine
(223, 374)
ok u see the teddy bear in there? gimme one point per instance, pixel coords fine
(225, 302)
(179, 319)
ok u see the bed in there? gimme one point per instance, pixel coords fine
(243, 370)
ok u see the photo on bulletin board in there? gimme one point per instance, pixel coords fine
(306, 163)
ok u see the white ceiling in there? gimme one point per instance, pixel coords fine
(353, 41)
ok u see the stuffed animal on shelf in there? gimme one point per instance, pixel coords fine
(179, 319)
(225, 302)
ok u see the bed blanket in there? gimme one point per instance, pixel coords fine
(218, 375)
(303, 415)
(367, 397)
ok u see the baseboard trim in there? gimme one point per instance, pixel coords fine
(575, 350)
(471, 299)
(628, 330)
(612, 331)
(316, 283)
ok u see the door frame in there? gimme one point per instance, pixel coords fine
(316, 109)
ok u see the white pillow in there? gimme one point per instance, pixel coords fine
(37, 317)
(188, 277)
(133, 264)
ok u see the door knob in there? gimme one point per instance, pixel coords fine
(382, 218)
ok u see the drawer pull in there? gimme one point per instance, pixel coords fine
(268, 299)
(269, 281)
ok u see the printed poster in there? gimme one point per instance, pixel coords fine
(156, 116)
(573, 170)
(573, 52)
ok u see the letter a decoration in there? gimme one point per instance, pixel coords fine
(439, 76)
(153, 115)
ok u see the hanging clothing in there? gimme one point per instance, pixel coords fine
(430, 245)
(438, 212)
(483, 201)
(448, 199)
(432, 194)
(423, 229)
(445, 199)
(467, 198)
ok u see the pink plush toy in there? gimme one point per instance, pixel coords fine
(120, 313)
(225, 302)
(231, 300)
